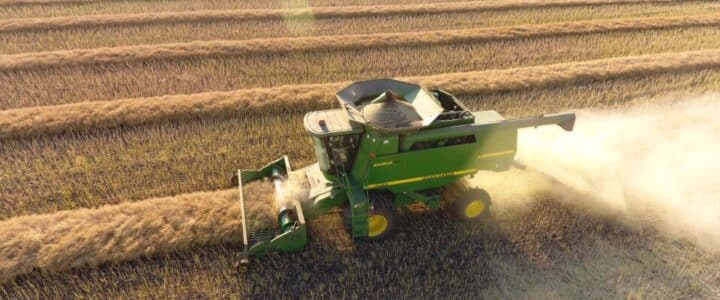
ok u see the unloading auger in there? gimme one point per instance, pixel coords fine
(391, 144)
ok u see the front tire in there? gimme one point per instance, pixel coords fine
(382, 217)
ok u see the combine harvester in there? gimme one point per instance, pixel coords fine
(391, 144)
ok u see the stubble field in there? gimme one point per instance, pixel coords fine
(109, 102)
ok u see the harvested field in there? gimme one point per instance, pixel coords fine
(116, 35)
(86, 143)
(105, 82)
(103, 114)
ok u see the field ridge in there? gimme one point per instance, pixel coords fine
(28, 24)
(43, 120)
(24, 61)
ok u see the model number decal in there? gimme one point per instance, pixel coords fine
(421, 178)
(382, 164)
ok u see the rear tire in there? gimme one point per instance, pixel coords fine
(472, 205)
(382, 217)
(465, 201)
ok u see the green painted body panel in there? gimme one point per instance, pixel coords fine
(421, 169)
(386, 144)
(281, 165)
(360, 206)
(291, 240)
(412, 170)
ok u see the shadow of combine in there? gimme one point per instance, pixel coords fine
(432, 256)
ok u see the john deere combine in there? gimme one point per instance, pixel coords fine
(391, 144)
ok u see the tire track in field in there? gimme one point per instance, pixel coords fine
(35, 60)
(28, 24)
(43, 120)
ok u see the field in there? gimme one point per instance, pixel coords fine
(144, 109)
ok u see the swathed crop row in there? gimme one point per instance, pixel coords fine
(88, 237)
(103, 114)
(114, 233)
(25, 24)
(338, 42)
(22, 2)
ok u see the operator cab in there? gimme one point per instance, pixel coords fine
(385, 107)
(335, 139)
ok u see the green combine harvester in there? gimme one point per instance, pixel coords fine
(391, 144)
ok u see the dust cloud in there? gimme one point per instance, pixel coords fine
(651, 164)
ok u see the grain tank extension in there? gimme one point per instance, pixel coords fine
(391, 144)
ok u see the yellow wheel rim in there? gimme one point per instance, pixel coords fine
(474, 209)
(377, 224)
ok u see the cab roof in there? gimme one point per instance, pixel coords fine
(330, 123)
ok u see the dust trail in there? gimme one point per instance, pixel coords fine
(652, 163)
(503, 188)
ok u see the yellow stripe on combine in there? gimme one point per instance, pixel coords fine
(421, 178)
(493, 154)
(439, 175)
